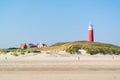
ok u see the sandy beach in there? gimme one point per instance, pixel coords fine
(60, 66)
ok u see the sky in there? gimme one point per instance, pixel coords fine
(52, 21)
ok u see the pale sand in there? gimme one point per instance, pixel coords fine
(59, 67)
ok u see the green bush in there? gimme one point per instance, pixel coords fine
(73, 49)
(35, 51)
(22, 53)
(15, 54)
(28, 51)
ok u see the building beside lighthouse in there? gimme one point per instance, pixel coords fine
(31, 45)
(90, 33)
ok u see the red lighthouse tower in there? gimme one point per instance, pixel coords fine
(90, 33)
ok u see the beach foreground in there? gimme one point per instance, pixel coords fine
(60, 67)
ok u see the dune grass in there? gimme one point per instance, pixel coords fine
(70, 47)
(17, 52)
(91, 48)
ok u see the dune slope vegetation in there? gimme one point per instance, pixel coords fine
(91, 48)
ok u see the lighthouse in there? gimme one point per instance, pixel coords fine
(90, 33)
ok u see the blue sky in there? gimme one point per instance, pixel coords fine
(51, 21)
